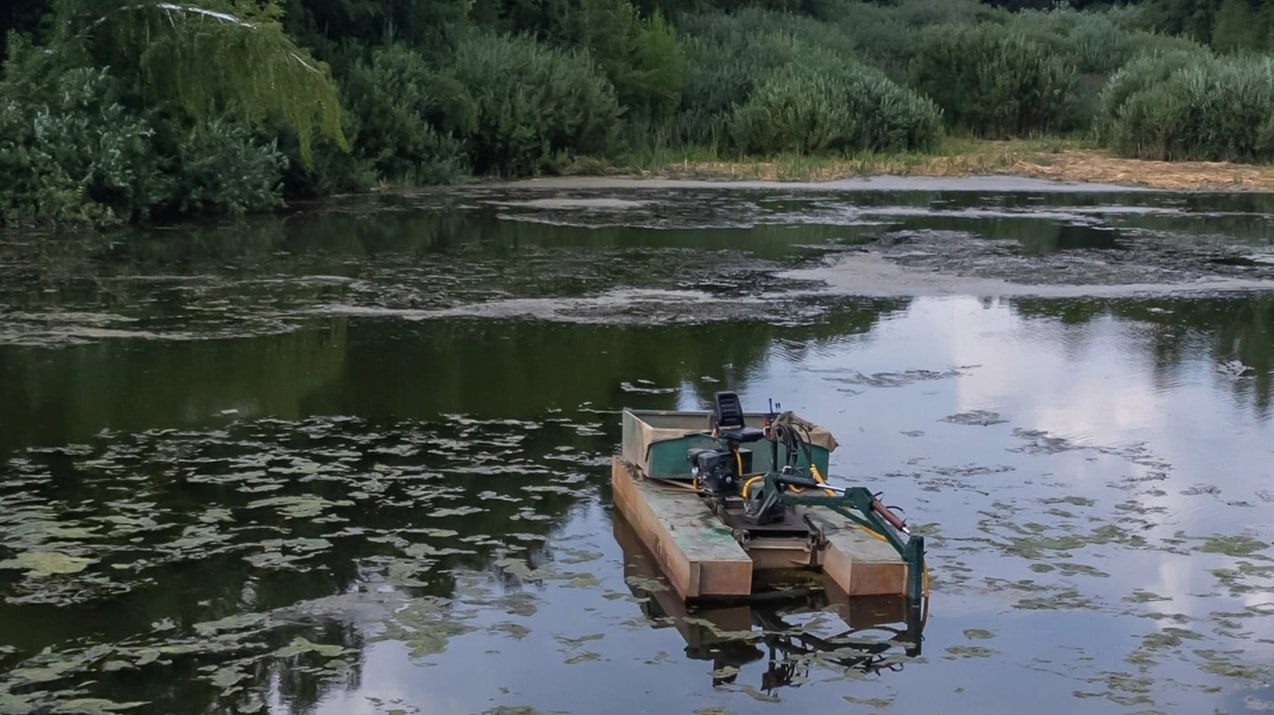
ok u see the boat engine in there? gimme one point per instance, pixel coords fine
(715, 470)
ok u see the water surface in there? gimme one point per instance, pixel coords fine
(356, 459)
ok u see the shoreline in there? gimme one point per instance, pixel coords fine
(1052, 160)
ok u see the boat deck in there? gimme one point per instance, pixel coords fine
(703, 558)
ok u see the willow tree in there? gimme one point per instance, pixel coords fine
(207, 59)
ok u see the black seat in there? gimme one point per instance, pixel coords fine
(727, 418)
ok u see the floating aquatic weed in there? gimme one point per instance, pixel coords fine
(969, 651)
(1068, 568)
(1069, 499)
(513, 630)
(1231, 664)
(1168, 637)
(425, 550)
(287, 553)
(223, 678)
(585, 580)
(425, 625)
(456, 511)
(41, 564)
(300, 645)
(759, 696)
(982, 418)
(578, 641)
(892, 379)
(1142, 596)
(1034, 547)
(1041, 442)
(874, 703)
(298, 507)
(717, 631)
(646, 583)
(1062, 599)
(1256, 704)
(1232, 545)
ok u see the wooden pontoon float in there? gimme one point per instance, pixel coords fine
(873, 632)
(717, 502)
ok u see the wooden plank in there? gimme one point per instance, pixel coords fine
(696, 552)
(858, 562)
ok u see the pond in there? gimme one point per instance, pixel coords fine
(356, 458)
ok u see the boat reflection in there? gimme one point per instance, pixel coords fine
(796, 625)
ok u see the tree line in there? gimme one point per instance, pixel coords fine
(130, 110)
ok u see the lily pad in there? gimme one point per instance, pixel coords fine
(39, 564)
(300, 645)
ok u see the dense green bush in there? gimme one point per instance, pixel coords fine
(221, 167)
(887, 35)
(795, 111)
(397, 105)
(128, 109)
(729, 56)
(994, 81)
(1096, 44)
(1093, 42)
(854, 109)
(79, 157)
(72, 152)
(536, 106)
(1180, 107)
(639, 55)
(1141, 73)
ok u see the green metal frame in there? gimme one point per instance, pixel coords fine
(854, 503)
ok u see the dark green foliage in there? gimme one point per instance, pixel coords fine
(994, 81)
(398, 105)
(427, 26)
(794, 111)
(855, 109)
(887, 35)
(1192, 107)
(1237, 27)
(1095, 43)
(1229, 25)
(728, 57)
(118, 110)
(638, 53)
(73, 153)
(222, 168)
(640, 56)
(1192, 18)
(207, 60)
(79, 158)
(1142, 73)
(19, 16)
(536, 106)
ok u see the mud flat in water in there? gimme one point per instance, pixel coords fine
(1059, 239)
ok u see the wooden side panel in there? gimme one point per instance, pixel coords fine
(858, 562)
(695, 551)
(706, 627)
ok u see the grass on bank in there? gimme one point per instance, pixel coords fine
(954, 156)
(1068, 158)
